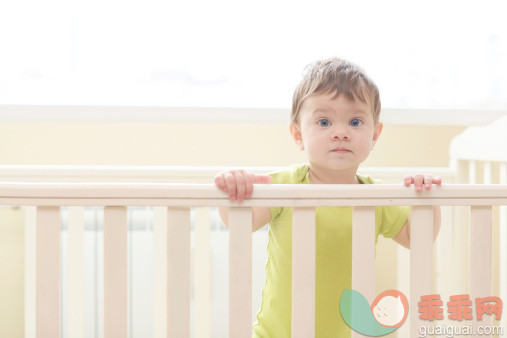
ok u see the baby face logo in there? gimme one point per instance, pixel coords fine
(390, 308)
(386, 314)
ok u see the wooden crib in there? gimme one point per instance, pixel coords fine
(173, 203)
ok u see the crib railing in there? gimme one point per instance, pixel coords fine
(177, 199)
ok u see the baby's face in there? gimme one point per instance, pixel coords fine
(338, 134)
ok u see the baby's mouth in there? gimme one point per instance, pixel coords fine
(341, 150)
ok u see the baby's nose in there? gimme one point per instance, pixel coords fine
(340, 132)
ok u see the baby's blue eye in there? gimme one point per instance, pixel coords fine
(323, 123)
(355, 123)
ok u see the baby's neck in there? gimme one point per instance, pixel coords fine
(322, 177)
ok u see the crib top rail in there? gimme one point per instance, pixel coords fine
(200, 195)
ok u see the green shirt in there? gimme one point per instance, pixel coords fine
(333, 260)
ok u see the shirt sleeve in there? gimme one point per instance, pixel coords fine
(294, 174)
(275, 211)
(279, 177)
(393, 219)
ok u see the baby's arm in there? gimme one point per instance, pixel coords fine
(239, 185)
(403, 237)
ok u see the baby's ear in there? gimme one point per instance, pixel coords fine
(376, 132)
(295, 131)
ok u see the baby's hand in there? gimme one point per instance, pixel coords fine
(419, 180)
(239, 183)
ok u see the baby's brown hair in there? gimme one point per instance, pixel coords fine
(339, 76)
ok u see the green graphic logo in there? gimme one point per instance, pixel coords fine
(386, 314)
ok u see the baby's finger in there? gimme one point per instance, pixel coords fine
(262, 178)
(418, 182)
(240, 185)
(428, 181)
(437, 180)
(230, 181)
(249, 185)
(408, 180)
(220, 182)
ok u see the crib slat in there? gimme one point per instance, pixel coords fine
(178, 272)
(421, 262)
(363, 252)
(303, 272)
(30, 264)
(240, 272)
(47, 275)
(480, 257)
(202, 274)
(75, 310)
(160, 272)
(461, 232)
(115, 272)
(487, 172)
(472, 172)
(503, 241)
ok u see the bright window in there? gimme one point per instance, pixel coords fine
(229, 53)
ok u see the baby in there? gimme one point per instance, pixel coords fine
(335, 118)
